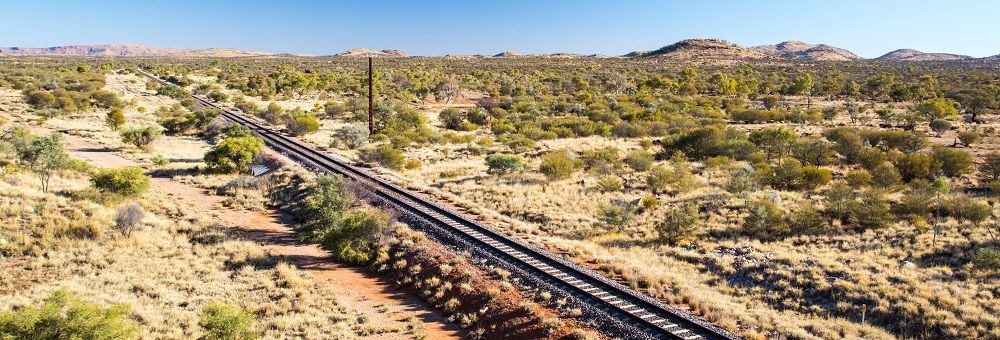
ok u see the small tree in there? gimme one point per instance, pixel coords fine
(46, 156)
(838, 200)
(503, 164)
(233, 154)
(128, 218)
(141, 137)
(127, 181)
(115, 119)
(939, 126)
(680, 224)
(224, 322)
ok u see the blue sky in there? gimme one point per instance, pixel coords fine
(869, 28)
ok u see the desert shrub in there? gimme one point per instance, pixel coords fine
(965, 208)
(325, 203)
(858, 178)
(115, 119)
(658, 179)
(985, 258)
(813, 177)
(813, 151)
(354, 238)
(159, 160)
(179, 120)
(648, 202)
(518, 142)
(233, 154)
(65, 316)
(742, 179)
(939, 126)
(871, 210)
(224, 322)
(609, 183)
(787, 174)
(615, 217)
(913, 166)
(105, 99)
(885, 175)
(805, 218)
(639, 160)
(127, 181)
(141, 137)
(968, 137)
(764, 220)
(218, 96)
(40, 98)
(504, 164)
(273, 113)
(353, 136)
(680, 224)
(712, 141)
(914, 203)
(990, 168)
(411, 164)
(128, 218)
(385, 155)
(838, 199)
(559, 164)
(302, 124)
(602, 161)
(870, 157)
(953, 162)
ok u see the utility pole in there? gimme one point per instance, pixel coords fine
(371, 100)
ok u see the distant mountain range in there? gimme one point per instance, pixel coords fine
(690, 49)
(127, 51)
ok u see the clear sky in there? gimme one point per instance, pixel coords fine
(868, 27)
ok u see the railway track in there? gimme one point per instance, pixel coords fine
(643, 313)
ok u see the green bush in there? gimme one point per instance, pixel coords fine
(914, 166)
(871, 210)
(64, 316)
(504, 164)
(813, 177)
(609, 183)
(765, 220)
(302, 124)
(680, 224)
(986, 258)
(559, 164)
(639, 160)
(885, 176)
(127, 181)
(233, 154)
(953, 162)
(968, 137)
(224, 322)
(115, 119)
(615, 217)
(353, 239)
(385, 155)
(141, 137)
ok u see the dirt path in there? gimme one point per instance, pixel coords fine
(364, 292)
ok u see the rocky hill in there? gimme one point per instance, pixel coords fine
(703, 49)
(793, 49)
(914, 55)
(364, 52)
(125, 51)
(508, 54)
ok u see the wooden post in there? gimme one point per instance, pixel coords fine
(371, 100)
